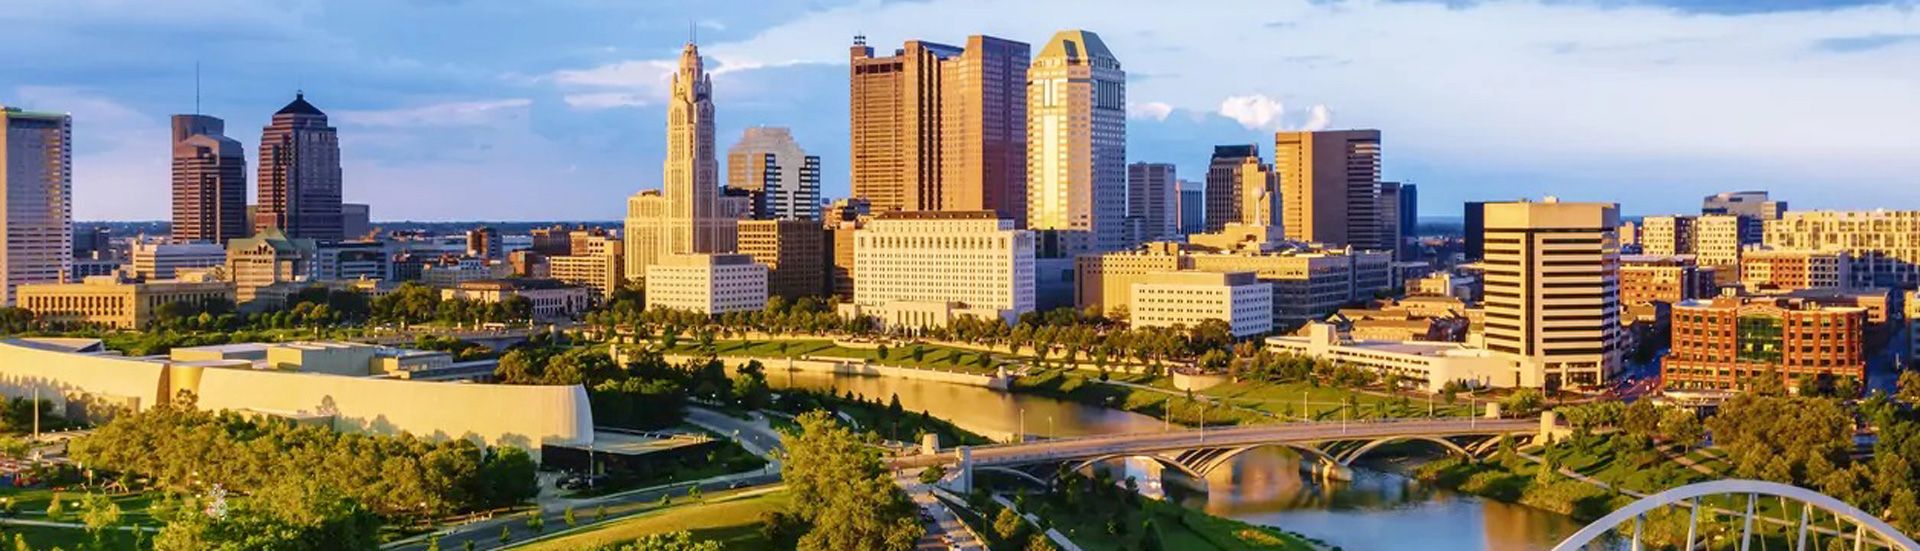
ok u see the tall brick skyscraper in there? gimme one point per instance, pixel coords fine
(938, 127)
(209, 181)
(299, 177)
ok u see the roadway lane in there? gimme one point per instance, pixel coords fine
(755, 434)
(485, 533)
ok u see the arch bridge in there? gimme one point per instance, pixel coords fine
(1850, 525)
(1332, 446)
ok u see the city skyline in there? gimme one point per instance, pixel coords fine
(1642, 100)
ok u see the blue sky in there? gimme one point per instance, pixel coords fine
(506, 109)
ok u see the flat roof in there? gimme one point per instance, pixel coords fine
(624, 443)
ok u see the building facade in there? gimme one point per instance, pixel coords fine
(484, 242)
(707, 283)
(784, 178)
(265, 260)
(353, 261)
(1882, 247)
(209, 182)
(794, 252)
(1788, 270)
(973, 259)
(1727, 343)
(1192, 209)
(1433, 364)
(105, 301)
(551, 300)
(36, 173)
(1717, 242)
(1330, 188)
(1666, 235)
(1649, 279)
(644, 233)
(158, 260)
(600, 273)
(1552, 288)
(1152, 201)
(1308, 284)
(1188, 299)
(299, 175)
(1754, 208)
(938, 127)
(1076, 143)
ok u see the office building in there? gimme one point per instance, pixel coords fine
(1629, 237)
(794, 252)
(356, 220)
(839, 243)
(1192, 209)
(1717, 240)
(484, 242)
(352, 261)
(1474, 227)
(1667, 235)
(644, 233)
(556, 240)
(154, 259)
(1789, 270)
(1432, 364)
(1308, 284)
(270, 258)
(692, 224)
(1913, 323)
(782, 178)
(1728, 342)
(707, 283)
(93, 243)
(600, 273)
(550, 300)
(1236, 179)
(938, 127)
(36, 173)
(1552, 289)
(106, 301)
(920, 269)
(1152, 201)
(1387, 206)
(209, 182)
(1647, 279)
(1188, 299)
(453, 272)
(850, 209)
(1753, 207)
(1882, 247)
(1330, 188)
(1077, 143)
(1409, 210)
(299, 175)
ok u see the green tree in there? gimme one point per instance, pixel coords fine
(841, 488)
(1009, 526)
(673, 541)
(57, 508)
(506, 533)
(932, 474)
(536, 521)
(1039, 542)
(568, 517)
(98, 512)
(1909, 384)
(1682, 427)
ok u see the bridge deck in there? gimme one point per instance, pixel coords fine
(1285, 433)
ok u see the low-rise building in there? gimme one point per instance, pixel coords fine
(973, 258)
(601, 273)
(106, 301)
(1465, 287)
(1433, 364)
(352, 260)
(1728, 342)
(1647, 279)
(267, 259)
(552, 300)
(161, 260)
(1793, 269)
(453, 274)
(1913, 325)
(707, 283)
(1308, 283)
(794, 252)
(1168, 299)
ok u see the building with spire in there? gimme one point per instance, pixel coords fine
(691, 179)
(209, 181)
(299, 177)
(36, 199)
(1077, 143)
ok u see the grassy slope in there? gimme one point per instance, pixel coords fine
(735, 522)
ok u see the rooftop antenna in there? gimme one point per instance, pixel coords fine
(196, 87)
(693, 33)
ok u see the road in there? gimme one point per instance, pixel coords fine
(755, 434)
(1143, 443)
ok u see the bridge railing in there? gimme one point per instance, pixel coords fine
(1258, 428)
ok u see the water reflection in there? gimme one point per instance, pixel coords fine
(1376, 510)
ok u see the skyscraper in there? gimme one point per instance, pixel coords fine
(1552, 290)
(1329, 186)
(209, 181)
(766, 160)
(299, 180)
(1227, 173)
(1151, 200)
(938, 127)
(643, 235)
(1077, 142)
(1474, 228)
(692, 174)
(36, 183)
(1753, 207)
(1409, 220)
(1193, 208)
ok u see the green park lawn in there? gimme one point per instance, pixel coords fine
(732, 520)
(930, 356)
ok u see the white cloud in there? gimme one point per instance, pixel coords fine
(1255, 112)
(1155, 110)
(1318, 118)
(607, 100)
(465, 113)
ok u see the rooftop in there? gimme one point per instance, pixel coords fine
(299, 106)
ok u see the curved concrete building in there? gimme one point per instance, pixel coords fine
(79, 379)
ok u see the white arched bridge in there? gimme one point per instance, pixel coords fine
(1195, 452)
(1854, 528)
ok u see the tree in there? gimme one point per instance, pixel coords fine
(1682, 427)
(841, 488)
(57, 508)
(506, 533)
(1039, 542)
(536, 521)
(568, 517)
(1009, 526)
(98, 512)
(932, 474)
(673, 541)
(1909, 384)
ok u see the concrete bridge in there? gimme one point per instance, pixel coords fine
(1331, 445)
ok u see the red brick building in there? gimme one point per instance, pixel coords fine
(1724, 344)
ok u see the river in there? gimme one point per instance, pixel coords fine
(1378, 509)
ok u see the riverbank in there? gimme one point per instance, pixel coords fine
(1233, 403)
(870, 413)
(1098, 515)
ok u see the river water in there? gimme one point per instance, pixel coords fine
(1378, 509)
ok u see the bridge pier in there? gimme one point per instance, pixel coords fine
(1324, 470)
(963, 481)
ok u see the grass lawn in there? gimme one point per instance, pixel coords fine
(733, 521)
(47, 537)
(1323, 402)
(33, 504)
(1179, 528)
(1086, 389)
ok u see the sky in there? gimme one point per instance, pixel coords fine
(516, 110)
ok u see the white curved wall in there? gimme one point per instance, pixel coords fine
(521, 416)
